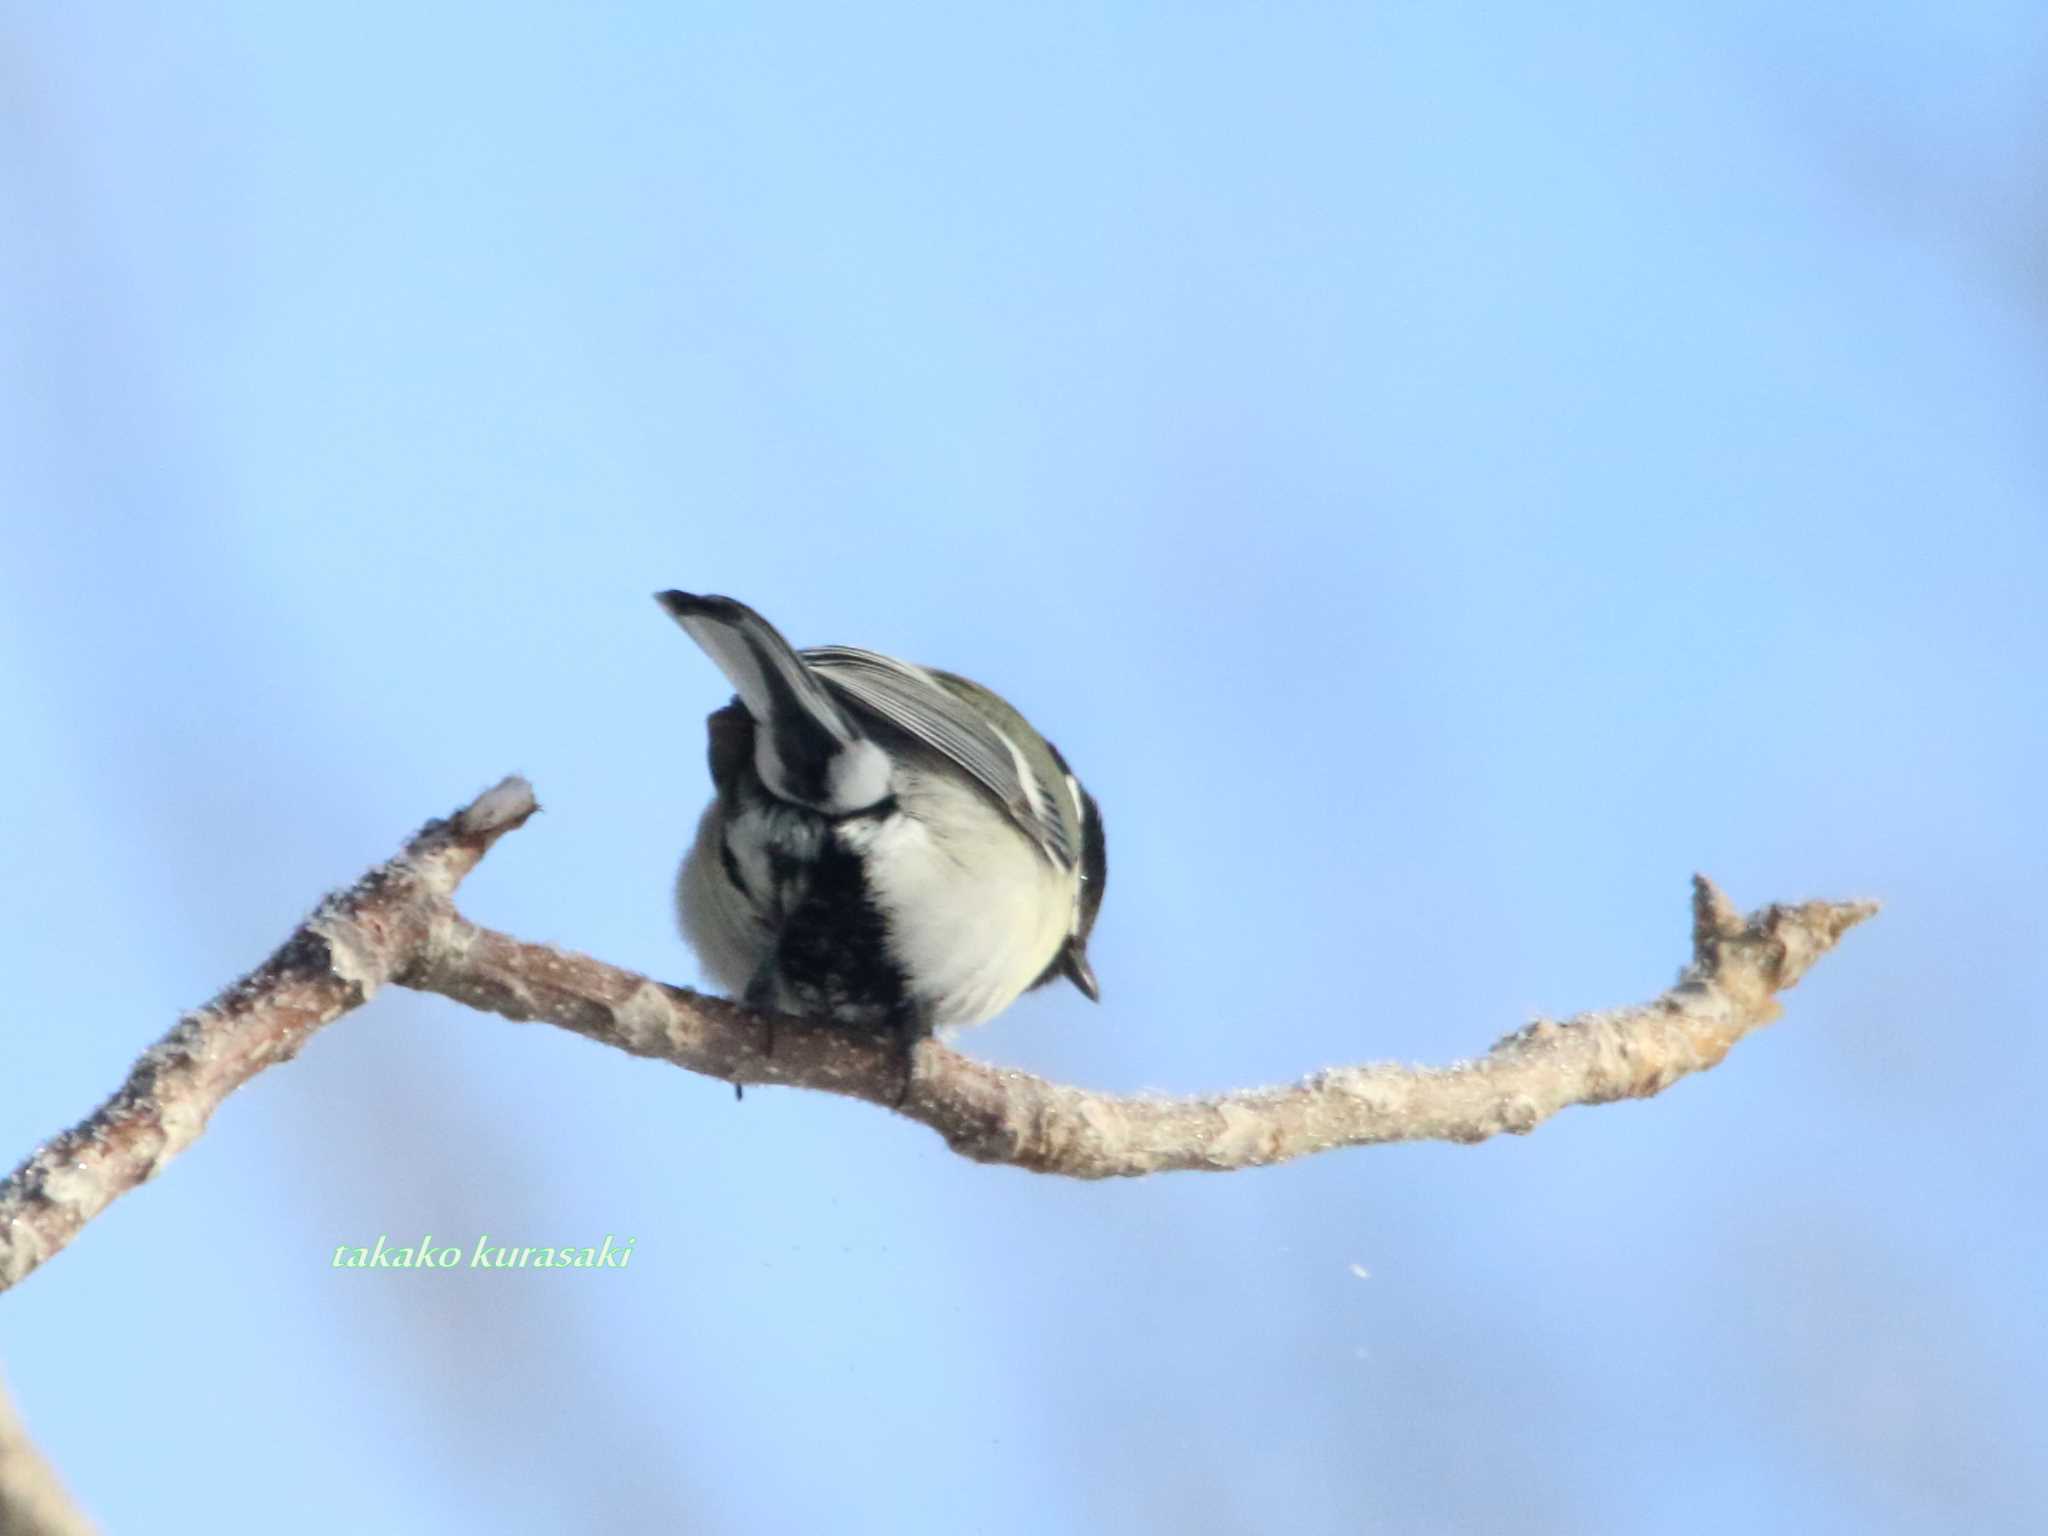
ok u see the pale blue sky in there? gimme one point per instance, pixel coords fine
(1443, 474)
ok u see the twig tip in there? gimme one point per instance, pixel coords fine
(1714, 917)
(505, 805)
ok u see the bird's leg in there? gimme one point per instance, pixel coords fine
(760, 997)
(908, 1024)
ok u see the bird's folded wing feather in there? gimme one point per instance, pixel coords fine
(914, 701)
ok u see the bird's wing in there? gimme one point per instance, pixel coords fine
(935, 710)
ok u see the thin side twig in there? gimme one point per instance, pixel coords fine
(399, 924)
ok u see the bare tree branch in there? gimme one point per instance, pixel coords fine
(32, 1501)
(399, 924)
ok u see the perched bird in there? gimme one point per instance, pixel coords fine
(889, 845)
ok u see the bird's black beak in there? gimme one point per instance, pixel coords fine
(1075, 967)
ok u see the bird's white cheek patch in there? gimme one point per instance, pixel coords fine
(730, 939)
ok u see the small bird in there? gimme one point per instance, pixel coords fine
(889, 846)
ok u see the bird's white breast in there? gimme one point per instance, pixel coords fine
(974, 912)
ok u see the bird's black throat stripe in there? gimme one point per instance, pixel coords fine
(834, 952)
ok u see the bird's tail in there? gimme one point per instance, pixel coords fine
(807, 749)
